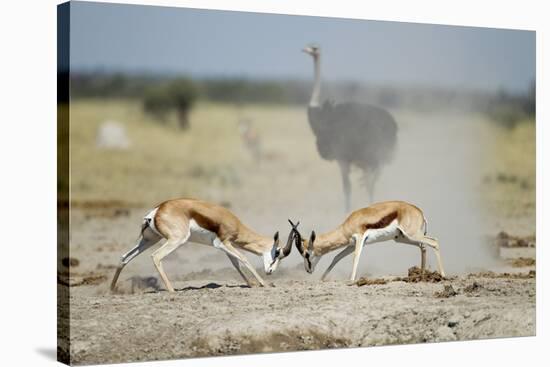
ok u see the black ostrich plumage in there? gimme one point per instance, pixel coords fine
(360, 134)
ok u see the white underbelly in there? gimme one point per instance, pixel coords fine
(201, 235)
(383, 234)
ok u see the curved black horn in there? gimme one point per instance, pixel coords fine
(291, 235)
(288, 247)
(297, 237)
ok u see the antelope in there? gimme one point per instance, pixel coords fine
(251, 139)
(397, 220)
(182, 220)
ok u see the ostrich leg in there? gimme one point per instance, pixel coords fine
(345, 170)
(370, 177)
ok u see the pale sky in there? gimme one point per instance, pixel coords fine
(207, 43)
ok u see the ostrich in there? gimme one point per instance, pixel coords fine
(350, 133)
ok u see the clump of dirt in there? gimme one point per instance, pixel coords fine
(521, 262)
(74, 280)
(415, 276)
(70, 262)
(472, 288)
(504, 239)
(493, 275)
(448, 291)
(90, 280)
(365, 281)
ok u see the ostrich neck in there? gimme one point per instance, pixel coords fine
(314, 101)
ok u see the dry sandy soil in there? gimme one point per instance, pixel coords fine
(213, 313)
(213, 317)
(437, 166)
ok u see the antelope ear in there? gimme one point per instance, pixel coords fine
(276, 237)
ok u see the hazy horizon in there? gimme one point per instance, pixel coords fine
(153, 39)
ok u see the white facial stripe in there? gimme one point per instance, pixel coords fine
(269, 262)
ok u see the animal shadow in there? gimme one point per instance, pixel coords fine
(211, 285)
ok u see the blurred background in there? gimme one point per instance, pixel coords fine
(173, 102)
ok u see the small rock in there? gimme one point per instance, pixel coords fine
(453, 321)
(474, 287)
(444, 333)
(448, 291)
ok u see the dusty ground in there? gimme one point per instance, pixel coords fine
(472, 175)
(213, 313)
(210, 317)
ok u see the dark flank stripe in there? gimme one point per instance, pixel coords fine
(205, 222)
(384, 222)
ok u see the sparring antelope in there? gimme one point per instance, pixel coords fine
(397, 220)
(182, 220)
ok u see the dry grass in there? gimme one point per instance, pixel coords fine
(166, 162)
(509, 185)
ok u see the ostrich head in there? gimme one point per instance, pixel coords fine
(312, 50)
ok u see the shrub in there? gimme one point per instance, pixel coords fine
(178, 95)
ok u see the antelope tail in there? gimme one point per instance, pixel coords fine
(425, 226)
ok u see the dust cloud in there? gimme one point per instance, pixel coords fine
(436, 166)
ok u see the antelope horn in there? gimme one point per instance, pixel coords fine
(294, 226)
(298, 241)
(288, 247)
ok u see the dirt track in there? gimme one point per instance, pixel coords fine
(210, 317)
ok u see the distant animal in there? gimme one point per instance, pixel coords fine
(251, 139)
(397, 220)
(351, 133)
(182, 220)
